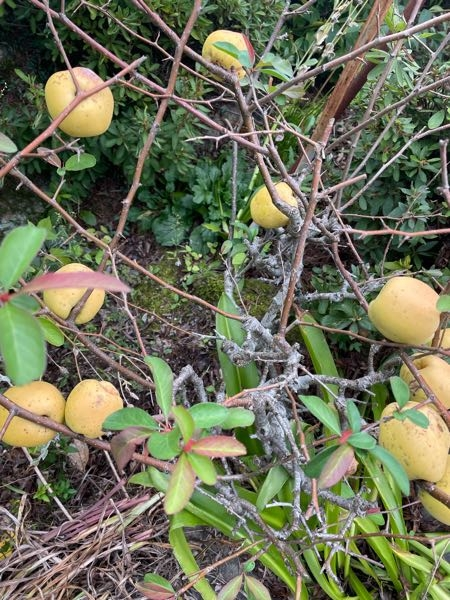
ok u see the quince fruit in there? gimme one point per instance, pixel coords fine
(437, 509)
(221, 58)
(263, 210)
(436, 373)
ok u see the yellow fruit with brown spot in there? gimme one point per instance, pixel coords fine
(421, 451)
(437, 509)
(88, 405)
(40, 398)
(62, 300)
(436, 374)
(221, 58)
(263, 210)
(89, 118)
(405, 311)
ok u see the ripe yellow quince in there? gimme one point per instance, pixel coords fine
(437, 509)
(263, 210)
(62, 300)
(221, 58)
(40, 398)
(422, 452)
(89, 118)
(436, 373)
(405, 311)
(88, 405)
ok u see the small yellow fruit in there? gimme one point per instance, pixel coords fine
(437, 509)
(93, 115)
(61, 300)
(422, 452)
(436, 373)
(88, 405)
(405, 311)
(40, 398)
(263, 210)
(221, 58)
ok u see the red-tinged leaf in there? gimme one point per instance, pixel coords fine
(155, 587)
(124, 444)
(337, 466)
(257, 590)
(217, 446)
(231, 590)
(82, 279)
(204, 468)
(181, 486)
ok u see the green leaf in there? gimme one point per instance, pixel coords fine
(130, 417)
(203, 467)
(235, 378)
(155, 587)
(25, 302)
(52, 333)
(181, 486)
(184, 421)
(7, 145)
(79, 162)
(17, 250)
(362, 440)
(144, 478)
(273, 65)
(353, 416)
(314, 467)
(443, 303)
(415, 416)
(393, 466)
(255, 589)
(238, 417)
(415, 561)
(400, 390)
(208, 414)
(231, 590)
(165, 445)
(336, 466)
(273, 482)
(22, 345)
(217, 446)
(437, 119)
(163, 378)
(323, 412)
(243, 56)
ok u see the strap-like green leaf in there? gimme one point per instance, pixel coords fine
(180, 488)
(163, 378)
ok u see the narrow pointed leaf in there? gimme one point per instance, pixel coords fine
(336, 466)
(17, 250)
(354, 418)
(231, 590)
(82, 279)
(322, 411)
(400, 390)
(181, 486)
(203, 467)
(395, 468)
(216, 446)
(274, 481)
(163, 378)
(22, 345)
(184, 421)
(362, 440)
(52, 333)
(131, 416)
(257, 590)
(314, 467)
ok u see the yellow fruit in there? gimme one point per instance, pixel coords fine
(61, 301)
(422, 452)
(92, 116)
(436, 373)
(40, 398)
(263, 210)
(221, 58)
(436, 509)
(88, 405)
(405, 311)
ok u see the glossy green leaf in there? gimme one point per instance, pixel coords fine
(353, 416)
(22, 345)
(243, 56)
(130, 417)
(180, 488)
(203, 467)
(52, 333)
(362, 440)
(231, 590)
(414, 560)
(183, 553)
(394, 467)
(164, 445)
(273, 482)
(437, 119)
(17, 250)
(208, 414)
(415, 416)
(400, 390)
(238, 417)
(163, 378)
(184, 421)
(79, 162)
(255, 589)
(314, 467)
(322, 411)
